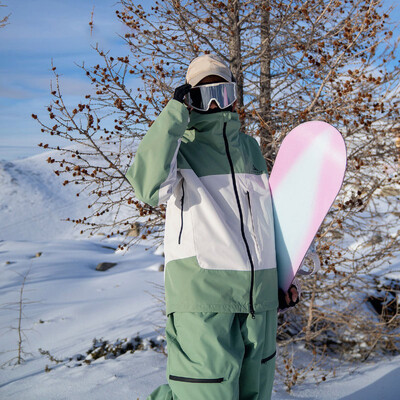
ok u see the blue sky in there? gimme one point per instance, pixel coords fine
(41, 31)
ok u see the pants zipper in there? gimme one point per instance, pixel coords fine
(241, 220)
(264, 360)
(182, 200)
(195, 380)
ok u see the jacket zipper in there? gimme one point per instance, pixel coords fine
(257, 248)
(182, 199)
(195, 380)
(241, 220)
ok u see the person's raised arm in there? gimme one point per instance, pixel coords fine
(153, 173)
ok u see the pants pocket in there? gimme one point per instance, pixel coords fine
(195, 380)
(270, 357)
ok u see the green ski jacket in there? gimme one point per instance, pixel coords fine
(219, 235)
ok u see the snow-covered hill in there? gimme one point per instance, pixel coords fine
(33, 201)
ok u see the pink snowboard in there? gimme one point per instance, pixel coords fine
(305, 180)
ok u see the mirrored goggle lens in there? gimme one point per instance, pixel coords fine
(200, 97)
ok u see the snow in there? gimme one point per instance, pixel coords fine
(31, 195)
(67, 303)
(377, 381)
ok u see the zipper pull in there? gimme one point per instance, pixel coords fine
(253, 315)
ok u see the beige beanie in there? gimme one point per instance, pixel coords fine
(207, 65)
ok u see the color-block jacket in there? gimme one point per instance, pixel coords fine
(219, 235)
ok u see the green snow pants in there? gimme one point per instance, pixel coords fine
(219, 356)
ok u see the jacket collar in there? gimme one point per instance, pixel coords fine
(209, 127)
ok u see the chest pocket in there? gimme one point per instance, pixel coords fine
(252, 225)
(260, 216)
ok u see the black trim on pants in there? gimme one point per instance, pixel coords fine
(264, 360)
(195, 380)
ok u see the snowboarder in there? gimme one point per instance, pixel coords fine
(220, 267)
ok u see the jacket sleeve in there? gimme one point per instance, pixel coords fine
(153, 173)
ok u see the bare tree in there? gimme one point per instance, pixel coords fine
(19, 306)
(293, 61)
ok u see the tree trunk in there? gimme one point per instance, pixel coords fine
(235, 51)
(265, 114)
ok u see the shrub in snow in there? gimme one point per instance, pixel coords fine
(103, 348)
(385, 300)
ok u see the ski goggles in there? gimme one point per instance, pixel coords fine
(223, 93)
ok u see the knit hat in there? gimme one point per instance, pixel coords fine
(207, 65)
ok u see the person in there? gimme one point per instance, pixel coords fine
(220, 269)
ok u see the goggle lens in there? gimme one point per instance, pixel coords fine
(201, 97)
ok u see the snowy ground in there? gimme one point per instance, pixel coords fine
(67, 303)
